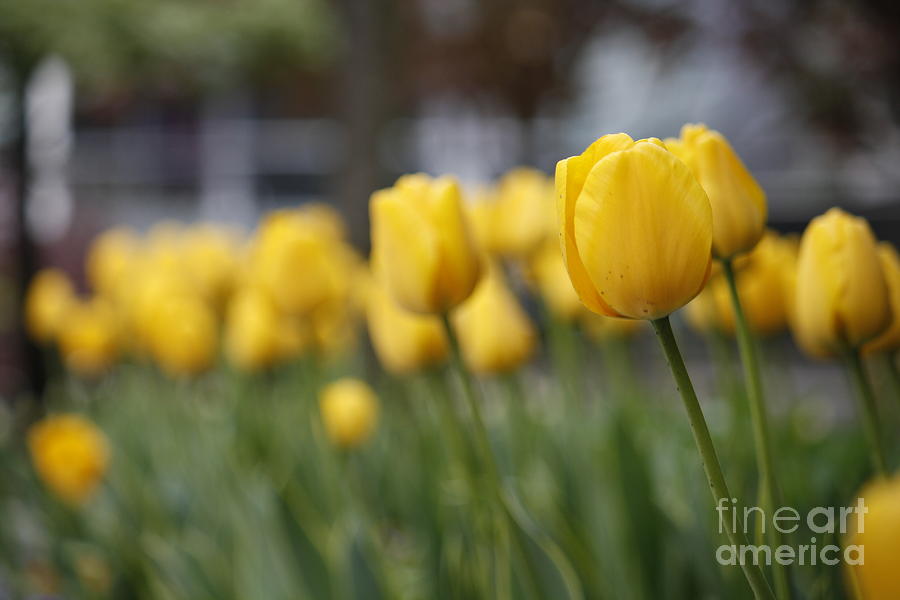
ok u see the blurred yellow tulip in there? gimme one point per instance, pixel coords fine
(419, 230)
(524, 215)
(50, 296)
(210, 260)
(252, 339)
(841, 296)
(762, 282)
(70, 454)
(738, 202)
(636, 228)
(182, 334)
(889, 339)
(89, 338)
(495, 333)
(404, 341)
(324, 218)
(298, 263)
(547, 272)
(349, 411)
(878, 533)
(110, 258)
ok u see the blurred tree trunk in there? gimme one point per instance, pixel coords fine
(362, 100)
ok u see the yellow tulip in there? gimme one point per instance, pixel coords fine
(738, 202)
(182, 335)
(89, 338)
(298, 263)
(419, 229)
(547, 272)
(878, 532)
(349, 411)
(762, 283)
(841, 295)
(636, 228)
(152, 284)
(109, 259)
(524, 214)
(404, 341)
(50, 296)
(495, 334)
(889, 339)
(323, 218)
(70, 454)
(210, 256)
(252, 340)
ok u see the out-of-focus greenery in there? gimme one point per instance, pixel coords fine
(114, 42)
(227, 487)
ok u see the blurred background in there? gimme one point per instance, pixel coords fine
(127, 112)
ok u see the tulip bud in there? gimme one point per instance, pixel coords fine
(889, 339)
(89, 337)
(349, 411)
(876, 533)
(296, 262)
(421, 233)
(182, 335)
(636, 228)
(109, 259)
(524, 214)
(404, 341)
(50, 296)
(495, 333)
(841, 296)
(210, 260)
(762, 283)
(252, 339)
(738, 202)
(547, 272)
(70, 455)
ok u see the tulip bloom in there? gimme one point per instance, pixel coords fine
(404, 341)
(738, 202)
(523, 213)
(422, 236)
(547, 272)
(89, 338)
(70, 455)
(889, 340)
(50, 296)
(110, 259)
(762, 281)
(252, 331)
(495, 334)
(636, 228)
(878, 531)
(841, 297)
(349, 411)
(183, 336)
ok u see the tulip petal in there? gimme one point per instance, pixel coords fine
(460, 266)
(408, 247)
(571, 174)
(738, 202)
(643, 229)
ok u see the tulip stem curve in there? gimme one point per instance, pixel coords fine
(759, 417)
(869, 410)
(708, 456)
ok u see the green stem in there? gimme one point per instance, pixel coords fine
(759, 419)
(488, 461)
(474, 405)
(716, 479)
(869, 410)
